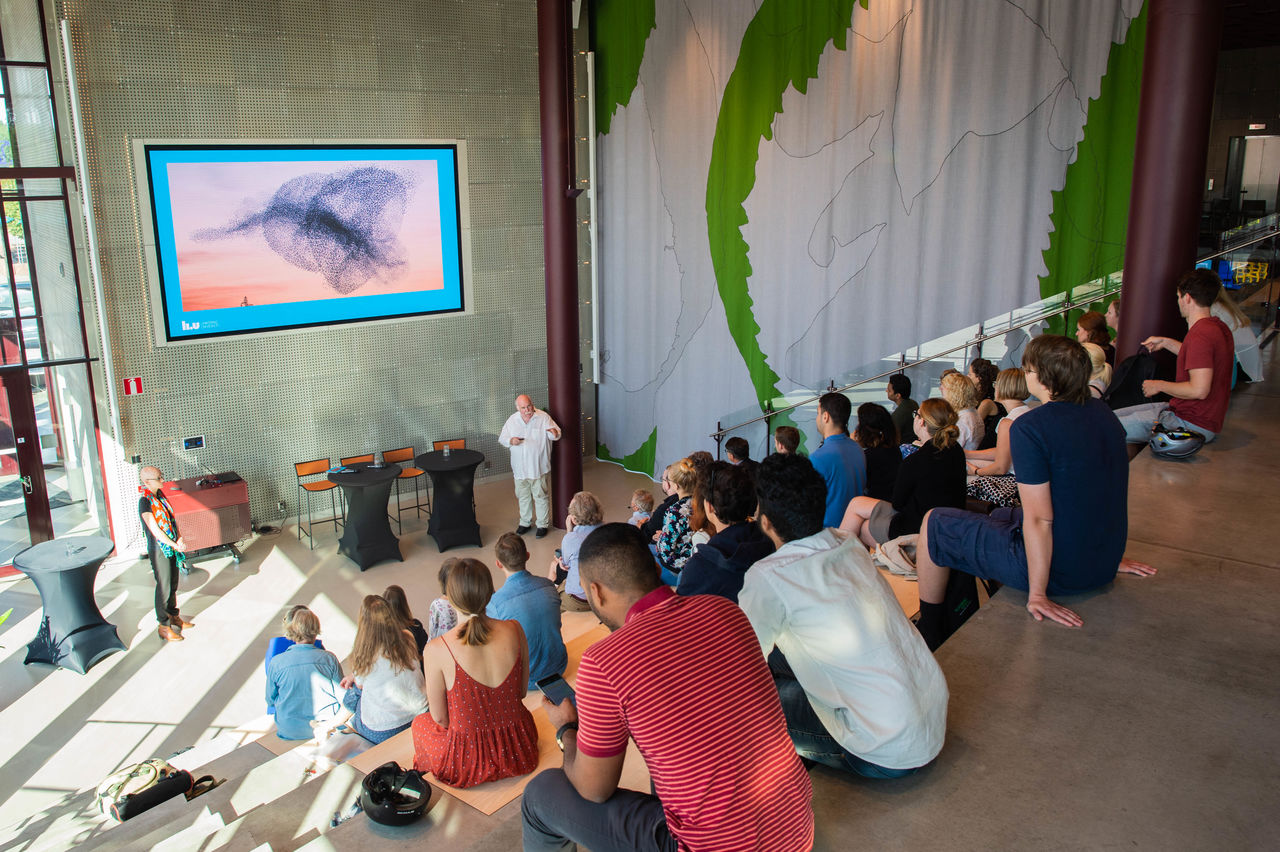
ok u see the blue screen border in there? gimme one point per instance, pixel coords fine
(185, 326)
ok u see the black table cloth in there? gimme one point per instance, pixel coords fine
(366, 536)
(453, 511)
(73, 634)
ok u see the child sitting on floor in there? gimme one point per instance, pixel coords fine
(641, 507)
(442, 617)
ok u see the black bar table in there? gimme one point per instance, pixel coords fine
(73, 634)
(366, 536)
(453, 511)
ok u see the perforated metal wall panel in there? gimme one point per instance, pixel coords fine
(274, 69)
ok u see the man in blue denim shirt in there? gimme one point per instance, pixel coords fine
(535, 603)
(303, 680)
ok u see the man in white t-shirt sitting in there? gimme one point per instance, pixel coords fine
(859, 688)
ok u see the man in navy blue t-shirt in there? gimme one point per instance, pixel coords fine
(1072, 471)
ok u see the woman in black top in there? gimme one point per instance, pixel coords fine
(878, 437)
(930, 478)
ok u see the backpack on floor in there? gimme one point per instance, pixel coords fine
(1126, 382)
(140, 787)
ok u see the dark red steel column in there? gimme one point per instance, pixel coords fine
(1173, 139)
(559, 238)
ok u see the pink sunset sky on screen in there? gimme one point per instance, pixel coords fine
(222, 273)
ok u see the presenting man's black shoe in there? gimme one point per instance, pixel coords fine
(541, 533)
(521, 530)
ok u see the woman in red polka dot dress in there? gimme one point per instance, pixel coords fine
(477, 729)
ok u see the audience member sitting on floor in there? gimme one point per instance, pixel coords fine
(992, 469)
(384, 689)
(904, 407)
(1092, 328)
(786, 439)
(983, 375)
(584, 515)
(303, 680)
(839, 460)
(959, 390)
(532, 601)
(860, 690)
(708, 725)
(1248, 353)
(700, 526)
(932, 477)
(441, 617)
(738, 452)
(478, 728)
(399, 603)
(1099, 370)
(878, 437)
(1201, 388)
(653, 525)
(717, 567)
(674, 544)
(641, 507)
(1073, 476)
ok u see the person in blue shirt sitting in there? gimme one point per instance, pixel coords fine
(303, 679)
(532, 601)
(840, 459)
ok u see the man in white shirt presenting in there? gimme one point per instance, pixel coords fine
(528, 434)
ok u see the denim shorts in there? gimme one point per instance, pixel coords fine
(986, 546)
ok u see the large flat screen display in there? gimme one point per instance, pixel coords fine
(254, 238)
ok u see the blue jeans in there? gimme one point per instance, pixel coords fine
(1139, 420)
(351, 701)
(808, 734)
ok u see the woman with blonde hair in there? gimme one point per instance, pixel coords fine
(385, 688)
(993, 469)
(584, 516)
(1248, 354)
(303, 680)
(930, 478)
(478, 728)
(959, 390)
(674, 543)
(1099, 370)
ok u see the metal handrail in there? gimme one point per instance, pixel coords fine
(1253, 238)
(719, 434)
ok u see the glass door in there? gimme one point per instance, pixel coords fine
(24, 499)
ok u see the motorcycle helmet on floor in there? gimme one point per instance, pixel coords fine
(1175, 443)
(394, 796)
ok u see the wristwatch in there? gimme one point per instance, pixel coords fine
(560, 733)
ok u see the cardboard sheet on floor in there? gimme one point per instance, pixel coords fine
(489, 797)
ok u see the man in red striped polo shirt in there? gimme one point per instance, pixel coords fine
(685, 678)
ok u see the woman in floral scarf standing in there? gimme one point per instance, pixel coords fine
(166, 551)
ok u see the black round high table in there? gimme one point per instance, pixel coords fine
(366, 535)
(73, 634)
(453, 511)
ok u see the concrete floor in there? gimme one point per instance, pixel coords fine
(1152, 727)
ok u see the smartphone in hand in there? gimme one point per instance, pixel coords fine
(557, 689)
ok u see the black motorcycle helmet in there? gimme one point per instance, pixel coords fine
(1175, 443)
(394, 796)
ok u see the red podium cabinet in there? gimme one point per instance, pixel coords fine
(209, 516)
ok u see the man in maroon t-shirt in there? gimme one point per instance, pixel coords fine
(1202, 386)
(685, 679)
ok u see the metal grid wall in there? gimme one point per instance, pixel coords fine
(306, 70)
